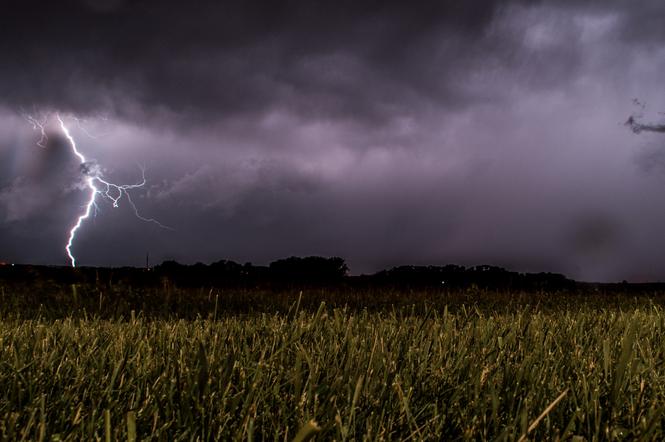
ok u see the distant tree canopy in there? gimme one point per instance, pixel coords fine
(295, 272)
(313, 269)
(455, 276)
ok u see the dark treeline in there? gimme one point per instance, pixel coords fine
(173, 290)
(294, 272)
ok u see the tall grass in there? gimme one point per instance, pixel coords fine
(338, 374)
(46, 299)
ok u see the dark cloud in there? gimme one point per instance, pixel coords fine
(382, 131)
(356, 60)
(637, 127)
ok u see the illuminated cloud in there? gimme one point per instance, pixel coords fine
(466, 132)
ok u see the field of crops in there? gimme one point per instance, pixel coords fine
(434, 373)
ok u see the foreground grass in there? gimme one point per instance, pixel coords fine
(360, 375)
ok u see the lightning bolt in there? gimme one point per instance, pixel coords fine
(94, 181)
(90, 181)
(41, 127)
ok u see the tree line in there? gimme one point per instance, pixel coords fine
(293, 272)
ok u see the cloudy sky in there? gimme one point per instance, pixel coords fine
(475, 132)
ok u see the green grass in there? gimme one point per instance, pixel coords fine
(477, 374)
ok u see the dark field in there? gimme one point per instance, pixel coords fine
(93, 358)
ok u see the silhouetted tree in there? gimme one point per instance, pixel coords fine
(310, 270)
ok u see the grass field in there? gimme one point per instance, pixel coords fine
(428, 372)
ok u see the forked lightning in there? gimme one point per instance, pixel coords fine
(94, 182)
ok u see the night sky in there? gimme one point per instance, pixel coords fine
(387, 133)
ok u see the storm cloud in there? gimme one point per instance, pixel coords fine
(479, 132)
(637, 127)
